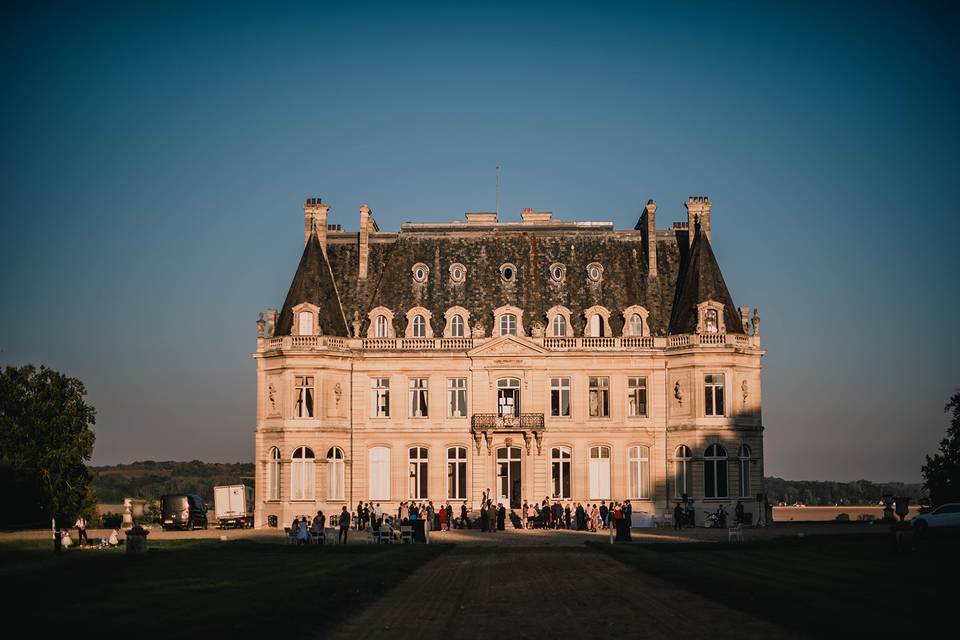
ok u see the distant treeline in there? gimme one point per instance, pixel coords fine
(820, 493)
(150, 480)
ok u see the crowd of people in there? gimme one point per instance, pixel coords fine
(576, 516)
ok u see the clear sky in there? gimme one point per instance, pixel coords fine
(155, 158)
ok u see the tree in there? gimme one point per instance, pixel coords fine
(45, 438)
(941, 474)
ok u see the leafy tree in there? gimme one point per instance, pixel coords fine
(45, 437)
(941, 474)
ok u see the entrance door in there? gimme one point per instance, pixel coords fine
(508, 476)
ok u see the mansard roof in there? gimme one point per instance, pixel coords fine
(702, 281)
(314, 283)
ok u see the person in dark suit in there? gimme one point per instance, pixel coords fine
(484, 517)
(566, 517)
(464, 520)
(604, 512)
(678, 517)
(557, 515)
(501, 517)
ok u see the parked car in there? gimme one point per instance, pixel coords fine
(182, 511)
(233, 505)
(946, 515)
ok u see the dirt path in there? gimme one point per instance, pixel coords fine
(539, 592)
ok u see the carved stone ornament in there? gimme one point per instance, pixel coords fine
(745, 389)
(489, 438)
(678, 392)
(478, 330)
(537, 329)
(756, 322)
(261, 325)
(527, 438)
(272, 397)
(508, 441)
(356, 324)
(539, 436)
(337, 393)
(476, 439)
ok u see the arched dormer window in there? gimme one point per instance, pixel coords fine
(457, 323)
(508, 321)
(635, 321)
(418, 323)
(305, 322)
(598, 322)
(380, 323)
(559, 319)
(710, 317)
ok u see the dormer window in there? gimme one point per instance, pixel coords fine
(305, 316)
(711, 323)
(458, 273)
(636, 325)
(559, 326)
(596, 326)
(508, 272)
(420, 272)
(381, 327)
(419, 327)
(305, 323)
(595, 271)
(508, 324)
(456, 326)
(558, 272)
(710, 318)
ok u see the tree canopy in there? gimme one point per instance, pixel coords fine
(45, 439)
(941, 474)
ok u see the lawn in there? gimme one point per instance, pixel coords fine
(200, 587)
(822, 585)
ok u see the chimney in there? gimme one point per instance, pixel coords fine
(478, 217)
(698, 208)
(315, 219)
(532, 217)
(367, 225)
(647, 225)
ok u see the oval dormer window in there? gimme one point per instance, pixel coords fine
(557, 272)
(595, 271)
(508, 272)
(458, 272)
(420, 272)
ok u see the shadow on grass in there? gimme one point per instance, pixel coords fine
(823, 585)
(196, 587)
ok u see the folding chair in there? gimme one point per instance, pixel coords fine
(735, 533)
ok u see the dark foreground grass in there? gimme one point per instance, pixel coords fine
(818, 585)
(201, 588)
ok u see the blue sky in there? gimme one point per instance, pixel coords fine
(155, 157)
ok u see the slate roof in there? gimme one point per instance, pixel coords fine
(390, 282)
(702, 281)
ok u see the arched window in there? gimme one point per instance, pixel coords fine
(711, 322)
(456, 326)
(508, 397)
(682, 471)
(600, 473)
(636, 325)
(744, 455)
(638, 463)
(559, 326)
(560, 472)
(335, 473)
(273, 475)
(419, 327)
(418, 473)
(305, 323)
(302, 481)
(715, 472)
(508, 324)
(381, 327)
(379, 467)
(457, 473)
(596, 326)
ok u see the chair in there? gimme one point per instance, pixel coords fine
(331, 536)
(291, 535)
(735, 533)
(384, 536)
(316, 537)
(371, 536)
(406, 534)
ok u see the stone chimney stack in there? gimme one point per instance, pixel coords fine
(367, 226)
(647, 225)
(698, 208)
(315, 215)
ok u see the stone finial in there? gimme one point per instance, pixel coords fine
(272, 322)
(261, 325)
(756, 322)
(745, 319)
(356, 323)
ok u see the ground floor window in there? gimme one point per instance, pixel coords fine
(302, 482)
(744, 455)
(560, 472)
(335, 471)
(457, 473)
(682, 471)
(379, 458)
(638, 463)
(715, 472)
(600, 473)
(273, 475)
(418, 473)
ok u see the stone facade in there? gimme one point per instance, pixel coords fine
(432, 363)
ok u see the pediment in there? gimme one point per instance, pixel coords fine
(508, 345)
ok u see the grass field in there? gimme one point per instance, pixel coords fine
(820, 585)
(198, 588)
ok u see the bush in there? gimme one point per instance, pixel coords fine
(842, 517)
(111, 520)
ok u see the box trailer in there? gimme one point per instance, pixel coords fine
(233, 505)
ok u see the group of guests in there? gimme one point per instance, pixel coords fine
(114, 540)
(303, 531)
(578, 517)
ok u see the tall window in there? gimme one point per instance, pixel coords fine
(596, 325)
(713, 394)
(711, 323)
(559, 326)
(273, 475)
(638, 463)
(301, 474)
(380, 329)
(636, 325)
(715, 472)
(456, 326)
(305, 324)
(379, 458)
(456, 397)
(744, 455)
(682, 471)
(560, 397)
(303, 407)
(457, 473)
(560, 472)
(600, 473)
(419, 327)
(636, 397)
(599, 398)
(508, 324)
(418, 397)
(508, 397)
(335, 473)
(380, 397)
(418, 473)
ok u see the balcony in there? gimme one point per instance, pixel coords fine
(495, 422)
